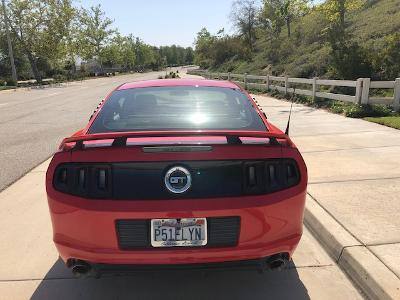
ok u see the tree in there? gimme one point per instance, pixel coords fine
(128, 52)
(39, 26)
(71, 42)
(348, 59)
(214, 50)
(203, 44)
(336, 10)
(279, 12)
(189, 56)
(387, 62)
(145, 55)
(112, 53)
(270, 18)
(244, 15)
(96, 32)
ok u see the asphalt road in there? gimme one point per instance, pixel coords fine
(33, 122)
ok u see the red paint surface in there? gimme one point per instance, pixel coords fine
(270, 224)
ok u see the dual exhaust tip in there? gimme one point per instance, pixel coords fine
(82, 269)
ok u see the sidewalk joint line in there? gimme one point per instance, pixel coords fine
(36, 279)
(355, 148)
(383, 244)
(353, 180)
(310, 266)
(337, 133)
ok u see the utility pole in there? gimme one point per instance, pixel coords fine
(10, 49)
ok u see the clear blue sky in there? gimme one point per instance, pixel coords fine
(166, 22)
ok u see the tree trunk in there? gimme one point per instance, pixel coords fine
(342, 12)
(34, 67)
(288, 26)
(250, 37)
(72, 58)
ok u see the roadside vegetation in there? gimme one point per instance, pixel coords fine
(336, 39)
(60, 40)
(333, 39)
(170, 75)
(380, 114)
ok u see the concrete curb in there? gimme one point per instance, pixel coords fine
(8, 90)
(373, 277)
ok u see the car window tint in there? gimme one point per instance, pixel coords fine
(177, 108)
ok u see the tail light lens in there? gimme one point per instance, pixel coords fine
(91, 181)
(270, 175)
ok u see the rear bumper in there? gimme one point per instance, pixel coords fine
(260, 264)
(85, 229)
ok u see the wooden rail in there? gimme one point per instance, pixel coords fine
(312, 87)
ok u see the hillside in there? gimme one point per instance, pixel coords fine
(307, 53)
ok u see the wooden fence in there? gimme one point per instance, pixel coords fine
(362, 87)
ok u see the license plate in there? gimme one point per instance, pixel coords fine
(179, 232)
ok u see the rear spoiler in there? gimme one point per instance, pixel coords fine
(120, 138)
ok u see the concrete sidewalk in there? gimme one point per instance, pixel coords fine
(354, 191)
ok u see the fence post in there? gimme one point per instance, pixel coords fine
(359, 85)
(245, 81)
(267, 82)
(229, 76)
(286, 84)
(314, 88)
(396, 103)
(365, 90)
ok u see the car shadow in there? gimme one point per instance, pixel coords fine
(228, 284)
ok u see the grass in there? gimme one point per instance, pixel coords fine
(392, 121)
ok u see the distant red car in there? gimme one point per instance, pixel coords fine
(176, 173)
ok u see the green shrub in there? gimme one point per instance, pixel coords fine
(59, 78)
(347, 109)
(10, 82)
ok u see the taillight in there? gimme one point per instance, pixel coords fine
(270, 175)
(91, 181)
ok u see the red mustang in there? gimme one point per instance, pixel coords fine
(176, 173)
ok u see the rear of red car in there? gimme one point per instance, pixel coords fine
(176, 173)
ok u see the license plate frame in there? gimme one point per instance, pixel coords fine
(183, 226)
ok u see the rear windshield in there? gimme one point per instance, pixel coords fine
(177, 108)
